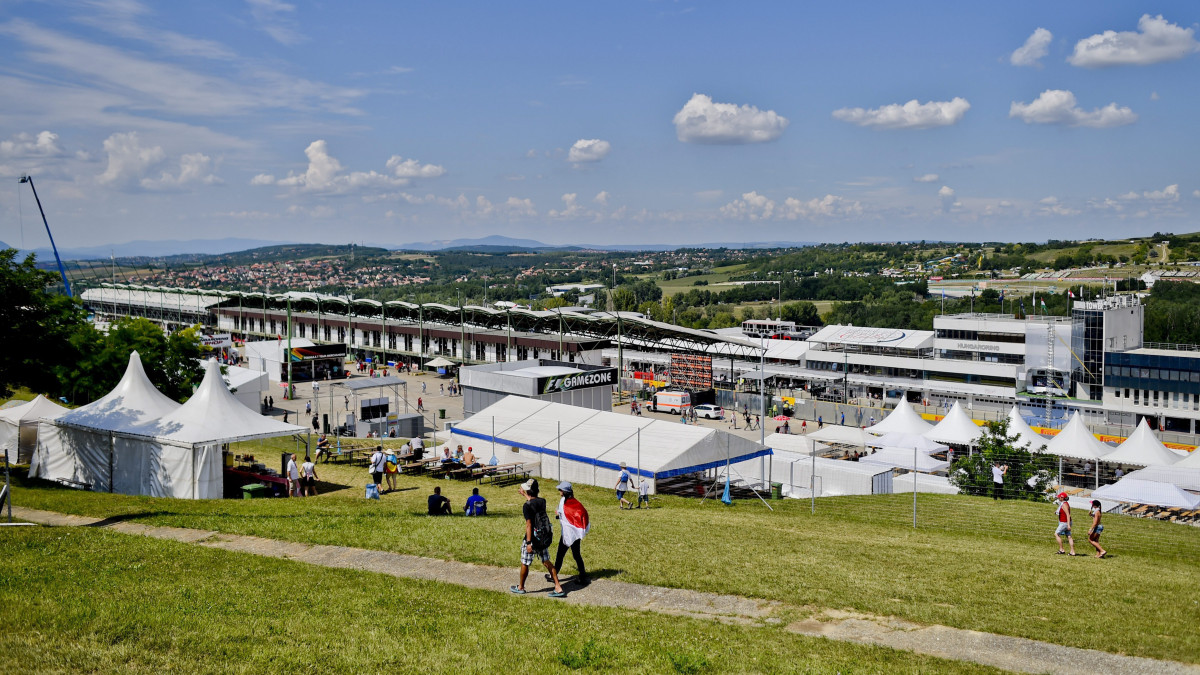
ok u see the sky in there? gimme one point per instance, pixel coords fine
(652, 122)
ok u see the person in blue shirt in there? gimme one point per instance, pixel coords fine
(623, 486)
(476, 505)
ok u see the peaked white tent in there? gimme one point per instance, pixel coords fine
(899, 458)
(1028, 437)
(956, 427)
(833, 433)
(179, 454)
(1181, 477)
(1137, 491)
(909, 442)
(19, 425)
(1192, 461)
(903, 419)
(1077, 442)
(78, 445)
(587, 446)
(1142, 449)
(798, 444)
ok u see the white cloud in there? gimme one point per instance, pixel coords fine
(193, 168)
(1034, 49)
(1058, 106)
(276, 18)
(703, 121)
(318, 211)
(411, 168)
(588, 150)
(514, 206)
(911, 115)
(829, 205)
(127, 159)
(752, 206)
(1196, 194)
(601, 198)
(45, 144)
(1051, 206)
(1155, 41)
(927, 178)
(263, 179)
(1167, 194)
(946, 192)
(1154, 96)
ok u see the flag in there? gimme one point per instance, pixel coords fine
(1002, 295)
(1070, 294)
(1043, 305)
(574, 519)
(725, 498)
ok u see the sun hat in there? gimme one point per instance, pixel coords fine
(565, 487)
(530, 485)
(622, 465)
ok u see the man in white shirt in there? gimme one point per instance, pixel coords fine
(293, 476)
(378, 459)
(998, 472)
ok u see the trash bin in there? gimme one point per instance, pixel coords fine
(256, 491)
(441, 413)
(776, 490)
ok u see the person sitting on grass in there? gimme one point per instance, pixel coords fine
(476, 505)
(439, 505)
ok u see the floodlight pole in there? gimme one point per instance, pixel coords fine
(762, 400)
(61, 270)
(289, 346)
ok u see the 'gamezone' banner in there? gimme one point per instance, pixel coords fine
(591, 378)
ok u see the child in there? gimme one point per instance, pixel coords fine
(643, 493)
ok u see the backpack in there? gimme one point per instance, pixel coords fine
(543, 531)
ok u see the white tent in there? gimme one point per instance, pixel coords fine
(1142, 449)
(1137, 491)
(593, 443)
(956, 427)
(1028, 437)
(19, 424)
(833, 477)
(842, 435)
(925, 483)
(903, 441)
(78, 446)
(249, 386)
(903, 458)
(801, 445)
(179, 454)
(1077, 442)
(1181, 477)
(1191, 461)
(903, 419)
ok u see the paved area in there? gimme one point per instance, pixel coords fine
(1011, 653)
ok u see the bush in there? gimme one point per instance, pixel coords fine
(1029, 474)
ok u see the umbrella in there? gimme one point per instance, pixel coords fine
(440, 362)
(781, 418)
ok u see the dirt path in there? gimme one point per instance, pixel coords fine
(1010, 653)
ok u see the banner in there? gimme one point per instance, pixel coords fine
(584, 380)
(318, 352)
(218, 341)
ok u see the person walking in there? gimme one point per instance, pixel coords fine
(293, 477)
(346, 398)
(376, 465)
(285, 416)
(998, 472)
(843, 422)
(538, 536)
(1064, 523)
(308, 477)
(574, 525)
(420, 404)
(441, 390)
(316, 424)
(391, 467)
(308, 407)
(1096, 529)
(422, 387)
(622, 487)
(820, 423)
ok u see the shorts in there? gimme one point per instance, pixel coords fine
(308, 481)
(620, 494)
(377, 476)
(1063, 529)
(527, 556)
(1098, 530)
(643, 498)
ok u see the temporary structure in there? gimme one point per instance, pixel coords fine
(799, 444)
(903, 419)
(587, 446)
(842, 435)
(956, 427)
(78, 446)
(440, 362)
(179, 454)
(1181, 477)
(1028, 438)
(1192, 461)
(1137, 491)
(900, 458)
(19, 425)
(909, 442)
(802, 475)
(1142, 449)
(1075, 441)
(926, 483)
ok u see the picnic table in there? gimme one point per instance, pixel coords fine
(501, 474)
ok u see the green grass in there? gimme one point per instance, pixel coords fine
(973, 564)
(720, 274)
(86, 600)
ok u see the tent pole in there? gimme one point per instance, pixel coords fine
(914, 486)
(8, 481)
(112, 442)
(560, 450)
(639, 455)
(493, 436)
(812, 478)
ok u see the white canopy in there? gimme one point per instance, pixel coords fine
(833, 433)
(1181, 477)
(213, 415)
(1191, 461)
(799, 444)
(133, 402)
(903, 419)
(18, 425)
(594, 443)
(439, 362)
(899, 458)
(1137, 491)
(1028, 437)
(1142, 449)
(956, 427)
(1077, 442)
(908, 442)
(925, 483)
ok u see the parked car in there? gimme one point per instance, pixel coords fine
(709, 411)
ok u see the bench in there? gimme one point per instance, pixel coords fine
(67, 482)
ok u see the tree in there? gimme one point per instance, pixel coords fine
(38, 325)
(1029, 474)
(171, 362)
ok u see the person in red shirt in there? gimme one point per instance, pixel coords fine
(1064, 523)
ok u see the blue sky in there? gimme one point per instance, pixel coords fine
(620, 122)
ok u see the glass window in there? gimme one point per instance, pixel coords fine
(1137, 396)
(1155, 398)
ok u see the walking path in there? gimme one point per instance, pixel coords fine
(1010, 653)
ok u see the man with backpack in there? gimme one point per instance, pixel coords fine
(538, 536)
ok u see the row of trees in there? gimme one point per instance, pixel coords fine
(49, 346)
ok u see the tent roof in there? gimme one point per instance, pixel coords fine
(900, 458)
(903, 419)
(133, 402)
(440, 362)
(956, 427)
(791, 443)
(1181, 477)
(370, 382)
(605, 439)
(1137, 491)
(37, 409)
(1191, 461)
(213, 415)
(1077, 442)
(1017, 426)
(834, 433)
(903, 441)
(1142, 449)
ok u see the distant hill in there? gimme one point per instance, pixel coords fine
(143, 248)
(494, 241)
(499, 244)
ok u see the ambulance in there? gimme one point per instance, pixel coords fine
(674, 402)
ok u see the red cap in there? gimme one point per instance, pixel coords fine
(1062, 495)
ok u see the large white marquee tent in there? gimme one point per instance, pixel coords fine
(1143, 449)
(1027, 437)
(903, 419)
(956, 427)
(19, 426)
(587, 446)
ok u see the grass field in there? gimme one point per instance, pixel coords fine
(720, 274)
(85, 600)
(858, 553)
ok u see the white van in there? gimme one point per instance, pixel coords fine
(674, 402)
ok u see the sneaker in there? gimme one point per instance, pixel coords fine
(582, 581)
(549, 578)
(557, 594)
